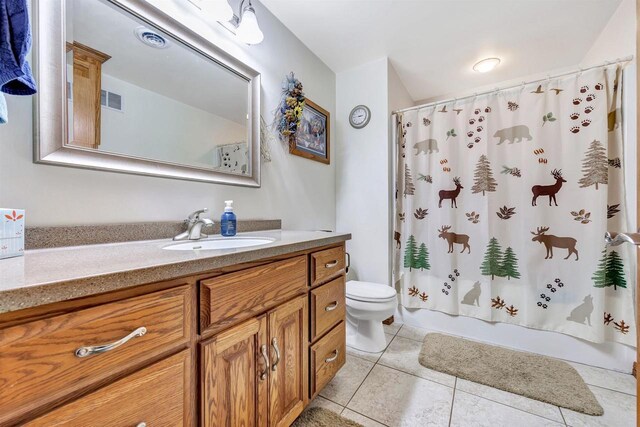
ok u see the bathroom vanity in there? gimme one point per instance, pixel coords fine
(230, 337)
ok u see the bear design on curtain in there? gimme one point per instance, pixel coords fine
(502, 203)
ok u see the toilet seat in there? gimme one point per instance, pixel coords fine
(369, 291)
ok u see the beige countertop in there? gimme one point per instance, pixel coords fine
(43, 276)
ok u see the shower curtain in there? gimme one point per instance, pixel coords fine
(502, 203)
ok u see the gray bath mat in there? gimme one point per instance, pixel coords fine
(320, 417)
(537, 377)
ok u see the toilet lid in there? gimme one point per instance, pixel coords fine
(368, 291)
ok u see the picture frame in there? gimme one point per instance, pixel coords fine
(312, 139)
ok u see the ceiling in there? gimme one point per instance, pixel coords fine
(175, 72)
(433, 44)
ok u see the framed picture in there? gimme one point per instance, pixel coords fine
(312, 136)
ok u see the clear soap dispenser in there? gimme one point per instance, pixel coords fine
(228, 220)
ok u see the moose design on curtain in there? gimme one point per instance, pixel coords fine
(502, 203)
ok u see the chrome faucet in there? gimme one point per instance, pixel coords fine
(194, 226)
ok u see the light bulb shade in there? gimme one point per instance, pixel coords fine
(486, 65)
(218, 10)
(249, 31)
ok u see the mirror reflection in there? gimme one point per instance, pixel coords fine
(134, 91)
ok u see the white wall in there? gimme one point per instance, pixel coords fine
(362, 201)
(299, 191)
(163, 128)
(617, 40)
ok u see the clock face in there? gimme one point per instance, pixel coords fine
(359, 116)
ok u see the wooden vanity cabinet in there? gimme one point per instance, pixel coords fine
(289, 375)
(255, 374)
(245, 346)
(235, 376)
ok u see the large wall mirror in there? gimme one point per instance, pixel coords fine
(126, 88)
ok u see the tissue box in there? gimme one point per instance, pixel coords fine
(11, 232)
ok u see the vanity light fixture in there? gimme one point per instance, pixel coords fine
(244, 25)
(486, 65)
(247, 28)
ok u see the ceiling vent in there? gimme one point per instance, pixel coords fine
(151, 38)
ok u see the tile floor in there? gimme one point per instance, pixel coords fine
(391, 388)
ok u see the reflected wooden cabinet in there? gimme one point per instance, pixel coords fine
(86, 90)
(257, 376)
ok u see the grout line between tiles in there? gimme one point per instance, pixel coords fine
(453, 399)
(562, 415)
(369, 418)
(362, 358)
(360, 385)
(609, 389)
(511, 406)
(414, 375)
(332, 401)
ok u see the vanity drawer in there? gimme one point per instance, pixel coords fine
(228, 299)
(327, 306)
(326, 264)
(156, 396)
(327, 357)
(38, 360)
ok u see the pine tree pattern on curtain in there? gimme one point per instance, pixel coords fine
(502, 203)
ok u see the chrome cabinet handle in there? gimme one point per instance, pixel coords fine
(97, 349)
(265, 356)
(142, 424)
(331, 306)
(274, 343)
(332, 358)
(331, 264)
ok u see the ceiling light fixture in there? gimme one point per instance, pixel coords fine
(244, 25)
(486, 65)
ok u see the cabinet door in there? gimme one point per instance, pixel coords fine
(235, 376)
(288, 383)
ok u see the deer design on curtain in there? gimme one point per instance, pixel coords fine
(471, 237)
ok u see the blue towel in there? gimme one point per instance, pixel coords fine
(15, 42)
(4, 113)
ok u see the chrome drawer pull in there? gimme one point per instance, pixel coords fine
(274, 343)
(142, 424)
(331, 306)
(332, 358)
(97, 349)
(265, 356)
(331, 264)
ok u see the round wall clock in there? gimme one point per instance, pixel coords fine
(359, 116)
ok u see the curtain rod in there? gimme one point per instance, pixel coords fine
(580, 70)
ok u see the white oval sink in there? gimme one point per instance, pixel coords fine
(219, 243)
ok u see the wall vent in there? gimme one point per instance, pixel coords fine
(111, 100)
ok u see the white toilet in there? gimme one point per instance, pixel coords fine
(368, 304)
